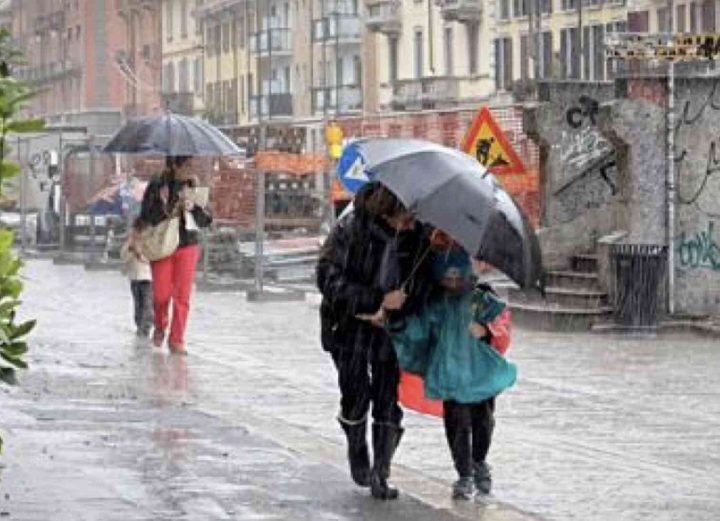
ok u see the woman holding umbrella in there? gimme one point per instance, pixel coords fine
(371, 264)
(166, 196)
(178, 138)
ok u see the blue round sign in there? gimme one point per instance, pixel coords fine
(351, 169)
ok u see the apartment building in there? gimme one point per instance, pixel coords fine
(682, 16)
(182, 58)
(430, 54)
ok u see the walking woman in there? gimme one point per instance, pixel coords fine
(371, 265)
(168, 195)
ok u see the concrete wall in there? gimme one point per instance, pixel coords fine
(580, 185)
(585, 198)
(697, 226)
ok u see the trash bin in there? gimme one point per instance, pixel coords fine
(639, 283)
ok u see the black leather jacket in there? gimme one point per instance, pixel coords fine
(361, 260)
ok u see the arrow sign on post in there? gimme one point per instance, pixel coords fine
(351, 169)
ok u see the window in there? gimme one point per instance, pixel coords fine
(708, 16)
(242, 94)
(233, 34)
(288, 80)
(198, 76)
(473, 33)
(339, 76)
(663, 20)
(169, 78)
(638, 22)
(357, 71)
(681, 18)
(184, 74)
(570, 53)
(504, 9)
(198, 25)
(393, 59)
(210, 41)
(241, 32)
(520, 8)
(546, 6)
(183, 19)
(569, 5)
(169, 19)
(524, 57)
(546, 66)
(503, 63)
(694, 11)
(418, 54)
(448, 51)
(225, 36)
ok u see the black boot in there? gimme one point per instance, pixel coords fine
(386, 437)
(358, 456)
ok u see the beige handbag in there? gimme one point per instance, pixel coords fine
(161, 241)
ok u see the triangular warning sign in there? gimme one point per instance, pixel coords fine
(357, 171)
(489, 144)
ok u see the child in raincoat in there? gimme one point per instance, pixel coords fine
(449, 345)
(137, 268)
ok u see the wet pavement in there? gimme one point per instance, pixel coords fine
(107, 428)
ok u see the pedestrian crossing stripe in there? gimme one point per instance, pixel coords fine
(486, 141)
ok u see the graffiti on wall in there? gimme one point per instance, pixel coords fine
(590, 176)
(697, 186)
(699, 250)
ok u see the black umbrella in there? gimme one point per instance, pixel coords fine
(452, 191)
(171, 135)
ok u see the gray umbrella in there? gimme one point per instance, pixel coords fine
(452, 191)
(171, 135)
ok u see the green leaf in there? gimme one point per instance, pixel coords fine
(7, 375)
(14, 268)
(9, 170)
(23, 329)
(17, 362)
(7, 307)
(16, 348)
(27, 125)
(6, 239)
(12, 288)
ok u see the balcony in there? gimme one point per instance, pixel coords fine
(426, 93)
(326, 98)
(384, 16)
(463, 11)
(272, 106)
(182, 103)
(338, 28)
(276, 42)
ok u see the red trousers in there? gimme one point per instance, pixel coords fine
(173, 279)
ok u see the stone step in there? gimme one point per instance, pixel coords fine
(584, 263)
(572, 280)
(564, 297)
(556, 318)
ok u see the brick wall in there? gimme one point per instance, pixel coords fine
(448, 128)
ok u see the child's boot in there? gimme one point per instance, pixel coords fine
(464, 488)
(483, 478)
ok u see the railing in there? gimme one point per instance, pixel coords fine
(273, 105)
(427, 92)
(280, 41)
(326, 98)
(384, 16)
(339, 27)
(461, 10)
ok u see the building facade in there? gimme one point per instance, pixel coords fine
(681, 16)
(92, 62)
(182, 58)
